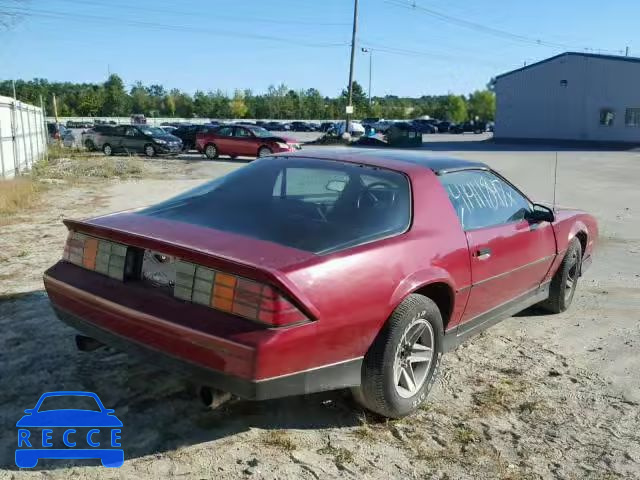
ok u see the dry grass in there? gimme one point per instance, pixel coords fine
(18, 194)
(77, 168)
(341, 456)
(279, 439)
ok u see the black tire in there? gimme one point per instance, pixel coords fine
(561, 293)
(378, 391)
(263, 151)
(211, 151)
(149, 150)
(107, 149)
(88, 144)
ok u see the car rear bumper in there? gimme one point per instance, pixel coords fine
(215, 355)
(330, 377)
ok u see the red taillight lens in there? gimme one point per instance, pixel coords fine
(237, 295)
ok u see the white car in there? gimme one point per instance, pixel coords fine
(355, 128)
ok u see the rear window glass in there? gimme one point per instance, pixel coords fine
(314, 205)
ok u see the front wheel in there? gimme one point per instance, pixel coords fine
(564, 282)
(149, 150)
(402, 364)
(264, 151)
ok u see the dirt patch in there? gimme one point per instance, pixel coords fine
(536, 397)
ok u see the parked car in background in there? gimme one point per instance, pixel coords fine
(443, 127)
(250, 281)
(326, 126)
(469, 127)
(93, 138)
(169, 128)
(424, 126)
(274, 126)
(60, 133)
(315, 127)
(187, 133)
(140, 139)
(138, 119)
(243, 141)
(355, 128)
(300, 127)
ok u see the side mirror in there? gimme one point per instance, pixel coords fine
(541, 213)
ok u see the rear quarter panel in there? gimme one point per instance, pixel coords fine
(356, 290)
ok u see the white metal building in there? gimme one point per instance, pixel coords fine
(572, 96)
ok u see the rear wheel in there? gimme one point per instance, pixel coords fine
(264, 151)
(401, 365)
(564, 282)
(211, 151)
(107, 150)
(149, 150)
(88, 144)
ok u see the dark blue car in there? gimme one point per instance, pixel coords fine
(93, 414)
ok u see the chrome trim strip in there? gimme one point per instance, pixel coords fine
(521, 267)
(309, 369)
(515, 300)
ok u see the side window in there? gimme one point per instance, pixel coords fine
(310, 185)
(131, 132)
(242, 132)
(225, 131)
(119, 131)
(482, 199)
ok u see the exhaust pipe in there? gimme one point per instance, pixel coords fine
(212, 397)
(87, 344)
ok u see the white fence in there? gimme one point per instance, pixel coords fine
(23, 138)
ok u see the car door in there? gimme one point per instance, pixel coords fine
(223, 138)
(133, 140)
(117, 138)
(245, 142)
(508, 254)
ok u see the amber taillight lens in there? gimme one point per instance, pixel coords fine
(96, 254)
(233, 294)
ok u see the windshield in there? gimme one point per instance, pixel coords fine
(69, 402)
(260, 132)
(309, 204)
(152, 131)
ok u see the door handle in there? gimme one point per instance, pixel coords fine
(483, 253)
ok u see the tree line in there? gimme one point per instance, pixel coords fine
(112, 98)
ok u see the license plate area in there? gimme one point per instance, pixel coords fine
(158, 270)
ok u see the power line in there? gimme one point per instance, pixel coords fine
(413, 5)
(179, 11)
(175, 28)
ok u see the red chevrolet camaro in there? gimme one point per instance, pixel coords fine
(301, 273)
(242, 141)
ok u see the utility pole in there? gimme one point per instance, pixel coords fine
(349, 109)
(370, 52)
(13, 84)
(626, 53)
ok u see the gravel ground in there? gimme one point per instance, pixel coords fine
(538, 396)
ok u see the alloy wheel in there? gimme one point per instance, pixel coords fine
(413, 358)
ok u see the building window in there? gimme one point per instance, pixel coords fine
(632, 117)
(606, 117)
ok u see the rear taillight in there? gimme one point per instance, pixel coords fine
(92, 253)
(236, 295)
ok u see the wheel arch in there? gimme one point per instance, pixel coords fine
(434, 283)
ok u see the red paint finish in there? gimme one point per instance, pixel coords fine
(517, 256)
(241, 141)
(347, 295)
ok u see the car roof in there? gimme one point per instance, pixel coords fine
(394, 159)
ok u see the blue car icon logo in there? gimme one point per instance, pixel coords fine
(89, 431)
